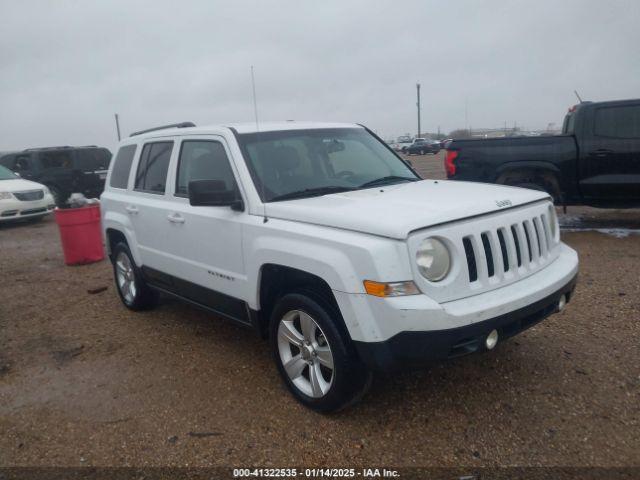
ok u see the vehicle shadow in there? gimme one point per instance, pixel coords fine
(24, 223)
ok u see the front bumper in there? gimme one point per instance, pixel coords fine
(415, 349)
(14, 209)
(416, 329)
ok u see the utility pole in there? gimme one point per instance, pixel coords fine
(418, 105)
(117, 126)
(466, 113)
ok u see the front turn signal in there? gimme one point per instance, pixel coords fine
(393, 289)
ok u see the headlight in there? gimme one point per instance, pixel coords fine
(433, 259)
(553, 221)
(5, 195)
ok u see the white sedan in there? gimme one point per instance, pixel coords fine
(21, 198)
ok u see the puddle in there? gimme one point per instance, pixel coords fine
(614, 232)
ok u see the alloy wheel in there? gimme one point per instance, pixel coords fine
(125, 277)
(305, 353)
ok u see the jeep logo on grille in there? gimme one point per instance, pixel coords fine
(503, 203)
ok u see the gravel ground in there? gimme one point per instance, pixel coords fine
(83, 381)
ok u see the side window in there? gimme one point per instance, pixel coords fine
(203, 160)
(93, 158)
(22, 164)
(152, 168)
(59, 159)
(122, 166)
(618, 122)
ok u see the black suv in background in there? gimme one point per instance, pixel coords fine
(65, 170)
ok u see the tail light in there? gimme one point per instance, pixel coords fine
(449, 162)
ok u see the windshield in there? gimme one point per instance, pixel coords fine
(297, 163)
(6, 174)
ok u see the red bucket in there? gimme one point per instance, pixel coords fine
(80, 234)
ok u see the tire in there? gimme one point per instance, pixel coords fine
(132, 289)
(305, 335)
(422, 152)
(57, 195)
(537, 184)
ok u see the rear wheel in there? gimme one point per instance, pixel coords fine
(56, 193)
(314, 357)
(534, 181)
(132, 289)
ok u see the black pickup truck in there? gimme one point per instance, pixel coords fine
(595, 161)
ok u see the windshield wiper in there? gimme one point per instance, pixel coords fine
(311, 192)
(388, 179)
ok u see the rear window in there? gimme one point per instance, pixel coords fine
(122, 166)
(152, 169)
(93, 158)
(618, 122)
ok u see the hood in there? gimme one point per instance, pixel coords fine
(396, 210)
(19, 185)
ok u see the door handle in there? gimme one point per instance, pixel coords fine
(602, 152)
(175, 218)
(131, 210)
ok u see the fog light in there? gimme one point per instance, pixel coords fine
(562, 303)
(491, 340)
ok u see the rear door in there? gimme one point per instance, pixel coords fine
(56, 169)
(148, 203)
(610, 153)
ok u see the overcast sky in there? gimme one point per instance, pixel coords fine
(67, 66)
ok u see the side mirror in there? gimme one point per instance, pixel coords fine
(214, 193)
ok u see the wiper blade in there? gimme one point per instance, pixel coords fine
(311, 192)
(383, 180)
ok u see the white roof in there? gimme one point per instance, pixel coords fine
(248, 127)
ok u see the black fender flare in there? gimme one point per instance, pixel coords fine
(547, 171)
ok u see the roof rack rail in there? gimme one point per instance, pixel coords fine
(173, 125)
(46, 148)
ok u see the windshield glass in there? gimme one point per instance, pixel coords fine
(319, 161)
(6, 174)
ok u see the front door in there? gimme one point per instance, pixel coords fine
(206, 242)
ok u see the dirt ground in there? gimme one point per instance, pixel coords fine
(84, 381)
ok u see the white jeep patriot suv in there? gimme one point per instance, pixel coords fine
(327, 243)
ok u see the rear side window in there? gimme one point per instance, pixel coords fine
(93, 158)
(203, 160)
(152, 169)
(618, 122)
(59, 159)
(122, 166)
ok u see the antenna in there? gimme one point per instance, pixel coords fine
(117, 126)
(255, 102)
(579, 99)
(255, 112)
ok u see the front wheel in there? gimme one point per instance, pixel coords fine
(314, 357)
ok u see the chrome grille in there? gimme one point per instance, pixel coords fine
(29, 195)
